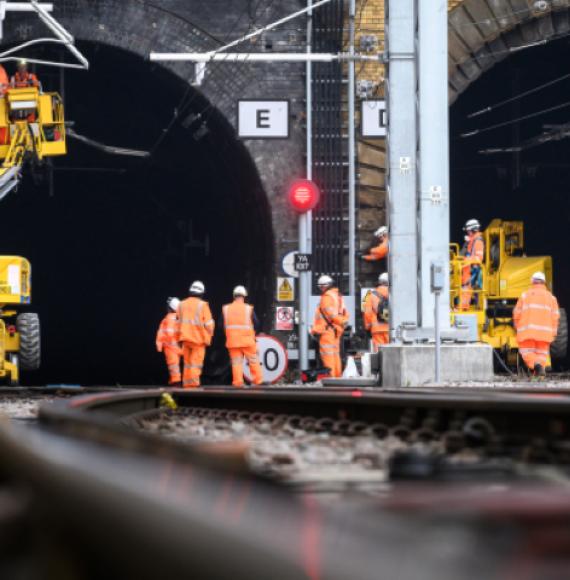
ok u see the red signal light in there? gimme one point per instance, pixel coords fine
(304, 195)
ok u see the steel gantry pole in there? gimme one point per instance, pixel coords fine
(401, 146)
(433, 157)
(305, 219)
(351, 156)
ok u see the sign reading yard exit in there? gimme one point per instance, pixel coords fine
(263, 119)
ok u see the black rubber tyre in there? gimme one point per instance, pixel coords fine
(28, 325)
(559, 348)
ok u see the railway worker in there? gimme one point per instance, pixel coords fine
(376, 312)
(240, 325)
(380, 250)
(196, 332)
(331, 318)
(4, 81)
(23, 78)
(474, 252)
(168, 341)
(536, 318)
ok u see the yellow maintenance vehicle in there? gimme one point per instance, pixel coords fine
(20, 346)
(32, 127)
(506, 273)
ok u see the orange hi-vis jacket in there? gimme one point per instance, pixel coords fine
(536, 315)
(196, 322)
(238, 322)
(168, 334)
(19, 81)
(378, 252)
(331, 313)
(4, 80)
(474, 255)
(371, 322)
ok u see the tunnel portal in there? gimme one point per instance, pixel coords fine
(532, 185)
(110, 238)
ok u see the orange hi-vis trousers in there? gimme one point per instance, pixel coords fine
(379, 338)
(329, 350)
(534, 352)
(173, 356)
(193, 364)
(236, 356)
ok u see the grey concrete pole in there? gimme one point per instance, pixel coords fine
(351, 157)
(433, 156)
(401, 178)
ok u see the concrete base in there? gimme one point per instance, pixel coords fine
(414, 365)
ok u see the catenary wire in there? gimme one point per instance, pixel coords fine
(517, 120)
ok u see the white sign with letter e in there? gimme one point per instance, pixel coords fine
(263, 119)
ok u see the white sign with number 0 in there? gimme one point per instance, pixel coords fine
(273, 358)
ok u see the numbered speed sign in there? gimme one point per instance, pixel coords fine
(273, 358)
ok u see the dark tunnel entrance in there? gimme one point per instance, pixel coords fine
(533, 185)
(112, 237)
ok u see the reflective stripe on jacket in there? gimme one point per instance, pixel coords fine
(331, 313)
(536, 315)
(474, 255)
(371, 322)
(168, 332)
(196, 322)
(28, 80)
(238, 322)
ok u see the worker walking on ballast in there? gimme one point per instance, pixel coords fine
(196, 332)
(168, 341)
(536, 317)
(239, 323)
(380, 250)
(474, 253)
(331, 318)
(376, 313)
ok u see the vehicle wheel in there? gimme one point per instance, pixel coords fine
(28, 325)
(559, 348)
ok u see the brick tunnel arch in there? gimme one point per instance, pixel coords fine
(482, 33)
(114, 237)
(530, 185)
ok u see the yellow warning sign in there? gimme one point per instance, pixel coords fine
(285, 289)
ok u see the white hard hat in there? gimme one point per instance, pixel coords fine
(325, 281)
(472, 225)
(240, 291)
(197, 287)
(539, 277)
(381, 232)
(22, 62)
(384, 279)
(173, 303)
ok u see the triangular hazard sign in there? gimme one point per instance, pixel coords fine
(285, 286)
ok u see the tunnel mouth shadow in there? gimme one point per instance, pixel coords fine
(111, 238)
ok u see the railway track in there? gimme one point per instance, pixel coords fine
(473, 479)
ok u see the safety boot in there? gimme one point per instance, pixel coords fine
(539, 370)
